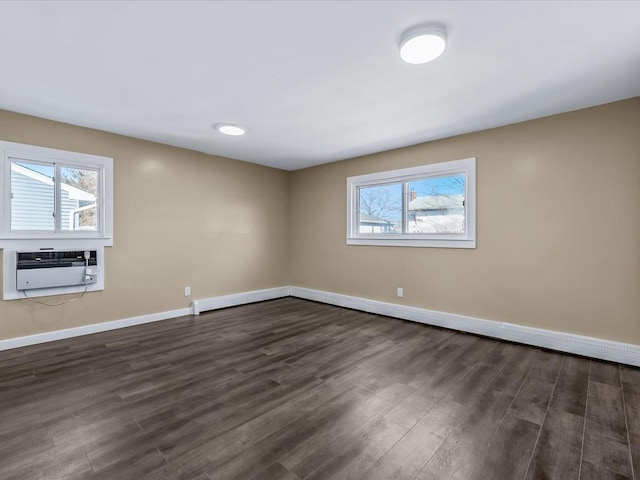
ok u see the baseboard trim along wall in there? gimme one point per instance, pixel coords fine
(224, 301)
(625, 353)
(197, 306)
(89, 329)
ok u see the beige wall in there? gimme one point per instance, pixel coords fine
(181, 218)
(558, 228)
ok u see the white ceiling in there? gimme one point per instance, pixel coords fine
(312, 81)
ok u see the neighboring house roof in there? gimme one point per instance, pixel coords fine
(73, 192)
(373, 220)
(436, 202)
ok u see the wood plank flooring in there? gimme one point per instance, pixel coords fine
(296, 390)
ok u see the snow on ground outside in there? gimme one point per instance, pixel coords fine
(437, 224)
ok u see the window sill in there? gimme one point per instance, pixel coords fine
(49, 242)
(400, 242)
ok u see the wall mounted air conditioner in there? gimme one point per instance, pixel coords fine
(53, 269)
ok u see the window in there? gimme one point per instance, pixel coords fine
(53, 200)
(55, 194)
(428, 206)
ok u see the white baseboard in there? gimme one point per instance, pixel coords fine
(89, 329)
(234, 299)
(565, 342)
(197, 306)
(625, 353)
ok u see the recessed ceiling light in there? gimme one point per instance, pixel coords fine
(229, 129)
(423, 46)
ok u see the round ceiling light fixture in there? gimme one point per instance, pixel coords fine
(230, 129)
(424, 45)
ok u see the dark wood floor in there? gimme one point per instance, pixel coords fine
(290, 389)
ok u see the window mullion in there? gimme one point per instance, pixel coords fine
(57, 204)
(405, 207)
(100, 202)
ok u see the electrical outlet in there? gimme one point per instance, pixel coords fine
(187, 291)
(400, 292)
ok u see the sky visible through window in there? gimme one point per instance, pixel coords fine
(43, 169)
(450, 185)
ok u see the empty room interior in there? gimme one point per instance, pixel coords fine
(298, 240)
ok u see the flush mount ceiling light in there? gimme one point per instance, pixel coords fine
(422, 46)
(229, 129)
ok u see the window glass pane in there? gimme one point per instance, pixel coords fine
(436, 205)
(380, 209)
(32, 197)
(78, 202)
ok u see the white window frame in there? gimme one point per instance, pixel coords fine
(404, 239)
(10, 151)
